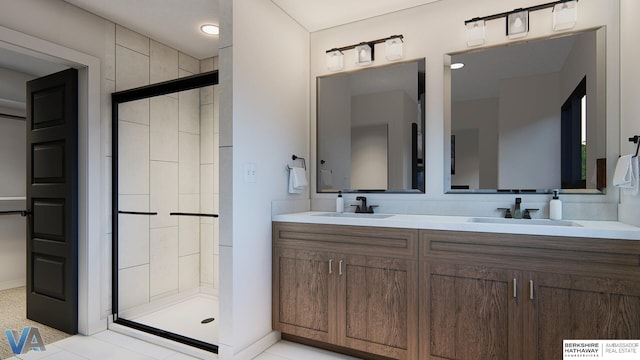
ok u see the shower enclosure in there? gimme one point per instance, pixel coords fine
(165, 167)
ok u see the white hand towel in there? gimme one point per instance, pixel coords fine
(635, 171)
(327, 178)
(623, 176)
(297, 180)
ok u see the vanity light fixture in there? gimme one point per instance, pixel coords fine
(210, 29)
(365, 52)
(456, 66)
(565, 15)
(393, 48)
(475, 32)
(518, 24)
(335, 60)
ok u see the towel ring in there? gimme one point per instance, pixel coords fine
(636, 140)
(294, 157)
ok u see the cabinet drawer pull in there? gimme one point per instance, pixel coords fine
(515, 288)
(530, 289)
(340, 268)
(330, 266)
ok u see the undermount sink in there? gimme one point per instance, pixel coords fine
(355, 215)
(542, 222)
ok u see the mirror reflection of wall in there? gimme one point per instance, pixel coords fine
(508, 120)
(370, 129)
(369, 162)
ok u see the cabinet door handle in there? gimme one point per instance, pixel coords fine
(330, 266)
(515, 288)
(340, 268)
(530, 289)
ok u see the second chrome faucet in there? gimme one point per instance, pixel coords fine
(363, 208)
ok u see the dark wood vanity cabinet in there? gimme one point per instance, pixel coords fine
(350, 287)
(469, 312)
(502, 296)
(302, 289)
(383, 293)
(578, 307)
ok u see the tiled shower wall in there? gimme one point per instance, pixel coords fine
(209, 174)
(167, 163)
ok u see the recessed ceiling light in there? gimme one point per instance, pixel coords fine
(456, 66)
(210, 29)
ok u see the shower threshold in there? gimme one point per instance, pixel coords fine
(168, 335)
(191, 321)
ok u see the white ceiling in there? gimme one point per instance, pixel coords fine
(316, 15)
(484, 70)
(177, 22)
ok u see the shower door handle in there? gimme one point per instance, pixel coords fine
(137, 212)
(16, 212)
(193, 214)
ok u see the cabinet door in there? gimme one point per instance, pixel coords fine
(304, 293)
(377, 305)
(567, 307)
(470, 312)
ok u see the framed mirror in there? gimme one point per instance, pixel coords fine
(528, 116)
(370, 126)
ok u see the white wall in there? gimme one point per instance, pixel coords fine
(13, 160)
(524, 125)
(397, 111)
(466, 163)
(13, 140)
(337, 130)
(482, 115)
(436, 29)
(630, 106)
(264, 120)
(368, 159)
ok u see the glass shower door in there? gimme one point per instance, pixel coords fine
(164, 210)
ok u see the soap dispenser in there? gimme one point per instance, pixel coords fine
(555, 207)
(339, 203)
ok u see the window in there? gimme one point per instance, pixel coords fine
(574, 138)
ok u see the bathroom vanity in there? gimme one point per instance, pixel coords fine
(448, 287)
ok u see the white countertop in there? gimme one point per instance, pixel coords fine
(589, 229)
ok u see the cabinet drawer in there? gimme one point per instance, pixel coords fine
(587, 256)
(393, 242)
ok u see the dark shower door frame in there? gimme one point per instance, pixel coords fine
(117, 98)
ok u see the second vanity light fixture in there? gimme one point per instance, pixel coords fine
(365, 52)
(565, 14)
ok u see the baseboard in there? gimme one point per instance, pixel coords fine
(254, 349)
(10, 284)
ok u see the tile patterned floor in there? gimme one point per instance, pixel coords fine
(112, 345)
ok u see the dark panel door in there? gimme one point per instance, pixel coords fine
(52, 198)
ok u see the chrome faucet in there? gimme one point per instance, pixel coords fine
(517, 211)
(364, 209)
